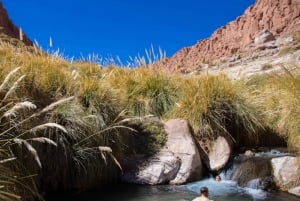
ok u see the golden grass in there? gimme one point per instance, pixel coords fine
(279, 102)
(215, 105)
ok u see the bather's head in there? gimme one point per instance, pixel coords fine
(204, 191)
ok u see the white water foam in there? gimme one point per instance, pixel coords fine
(229, 188)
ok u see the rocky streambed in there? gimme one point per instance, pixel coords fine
(184, 160)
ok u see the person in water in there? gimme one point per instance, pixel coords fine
(203, 196)
(218, 178)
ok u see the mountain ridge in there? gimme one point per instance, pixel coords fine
(9, 30)
(280, 17)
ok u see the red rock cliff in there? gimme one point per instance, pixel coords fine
(8, 28)
(278, 16)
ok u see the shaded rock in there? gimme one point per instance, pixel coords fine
(158, 169)
(249, 153)
(263, 37)
(247, 170)
(181, 142)
(219, 153)
(295, 191)
(286, 171)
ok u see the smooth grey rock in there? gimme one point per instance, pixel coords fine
(286, 171)
(181, 142)
(219, 154)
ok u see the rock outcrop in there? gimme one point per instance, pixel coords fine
(263, 37)
(177, 163)
(181, 142)
(280, 17)
(219, 153)
(249, 170)
(9, 29)
(285, 172)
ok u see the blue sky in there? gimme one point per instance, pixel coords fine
(119, 27)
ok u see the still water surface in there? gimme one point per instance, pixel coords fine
(223, 191)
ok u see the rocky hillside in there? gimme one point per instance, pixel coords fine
(280, 17)
(8, 29)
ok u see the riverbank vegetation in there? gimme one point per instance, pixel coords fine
(68, 125)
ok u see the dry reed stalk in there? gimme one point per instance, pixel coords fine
(108, 150)
(12, 89)
(30, 150)
(11, 73)
(48, 125)
(43, 140)
(53, 105)
(47, 109)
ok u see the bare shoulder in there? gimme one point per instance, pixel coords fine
(201, 199)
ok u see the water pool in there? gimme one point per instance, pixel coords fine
(222, 191)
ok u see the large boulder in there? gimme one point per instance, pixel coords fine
(217, 154)
(182, 143)
(177, 162)
(286, 171)
(158, 169)
(248, 169)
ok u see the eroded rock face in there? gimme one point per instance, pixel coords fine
(8, 28)
(280, 17)
(286, 171)
(263, 37)
(181, 142)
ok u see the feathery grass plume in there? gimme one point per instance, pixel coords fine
(7, 78)
(52, 106)
(48, 125)
(13, 112)
(46, 109)
(13, 88)
(29, 149)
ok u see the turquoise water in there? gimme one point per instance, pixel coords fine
(223, 191)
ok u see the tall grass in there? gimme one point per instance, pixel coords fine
(278, 98)
(56, 143)
(143, 91)
(215, 106)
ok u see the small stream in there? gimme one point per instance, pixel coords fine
(225, 190)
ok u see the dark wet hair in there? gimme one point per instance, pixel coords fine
(203, 189)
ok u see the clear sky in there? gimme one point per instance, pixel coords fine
(121, 27)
